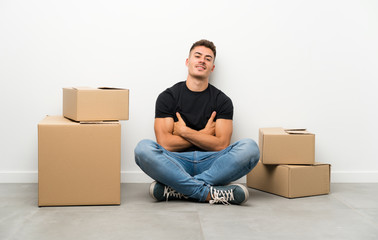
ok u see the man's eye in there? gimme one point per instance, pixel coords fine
(208, 59)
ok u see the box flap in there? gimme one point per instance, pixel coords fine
(100, 122)
(297, 131)
(92, 88)
(111, 88)
(59, 120)
(292, 166)
(56, 120)
(318, 163)
(283, 131)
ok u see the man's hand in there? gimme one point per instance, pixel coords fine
(210, 125)
(179, 126)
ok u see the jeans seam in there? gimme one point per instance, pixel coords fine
(171, 159)
(216, 154)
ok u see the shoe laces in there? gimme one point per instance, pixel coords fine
(221, 196)
(170, 192)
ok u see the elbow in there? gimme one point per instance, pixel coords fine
(161, 143)
(217, 149)
(222, 146)
(166, 146)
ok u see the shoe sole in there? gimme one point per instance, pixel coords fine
(246, 193)
(152, 186)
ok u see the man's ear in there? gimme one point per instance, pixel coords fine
(187, 61)
(213, 68)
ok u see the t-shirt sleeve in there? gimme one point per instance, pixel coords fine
(164, 106)
(225, 108)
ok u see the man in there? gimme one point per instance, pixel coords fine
(192, 157)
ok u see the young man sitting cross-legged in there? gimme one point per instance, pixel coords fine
(193, 157)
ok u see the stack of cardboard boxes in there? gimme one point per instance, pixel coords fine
(79, 153)
(287, 164)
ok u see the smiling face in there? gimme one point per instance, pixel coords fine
(200, 62)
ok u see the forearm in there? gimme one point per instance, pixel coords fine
(204, 141)
(174, 143)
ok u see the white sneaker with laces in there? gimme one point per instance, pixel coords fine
(160, 192)
(230, 194)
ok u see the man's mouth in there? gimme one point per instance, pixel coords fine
(200, 67)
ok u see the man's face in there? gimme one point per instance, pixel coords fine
(200, 62)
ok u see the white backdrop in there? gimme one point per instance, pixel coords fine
(292, 63)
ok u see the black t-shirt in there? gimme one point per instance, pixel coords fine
(195, 108)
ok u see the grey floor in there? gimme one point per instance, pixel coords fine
(349, 212)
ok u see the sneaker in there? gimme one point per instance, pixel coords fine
(160, 192)
(230, 194)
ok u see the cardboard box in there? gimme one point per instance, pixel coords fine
(96, 104)
(291, 181)
(283, 146)
(78, 164)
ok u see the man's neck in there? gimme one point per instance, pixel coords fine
(197, 85)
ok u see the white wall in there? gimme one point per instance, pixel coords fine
(288, 63)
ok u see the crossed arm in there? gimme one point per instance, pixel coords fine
(176, 136)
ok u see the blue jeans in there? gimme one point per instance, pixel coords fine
(192, 173)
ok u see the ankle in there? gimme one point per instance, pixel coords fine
(208, 198)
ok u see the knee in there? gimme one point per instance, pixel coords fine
(251, 151)
(142, 146)
(142, 150)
